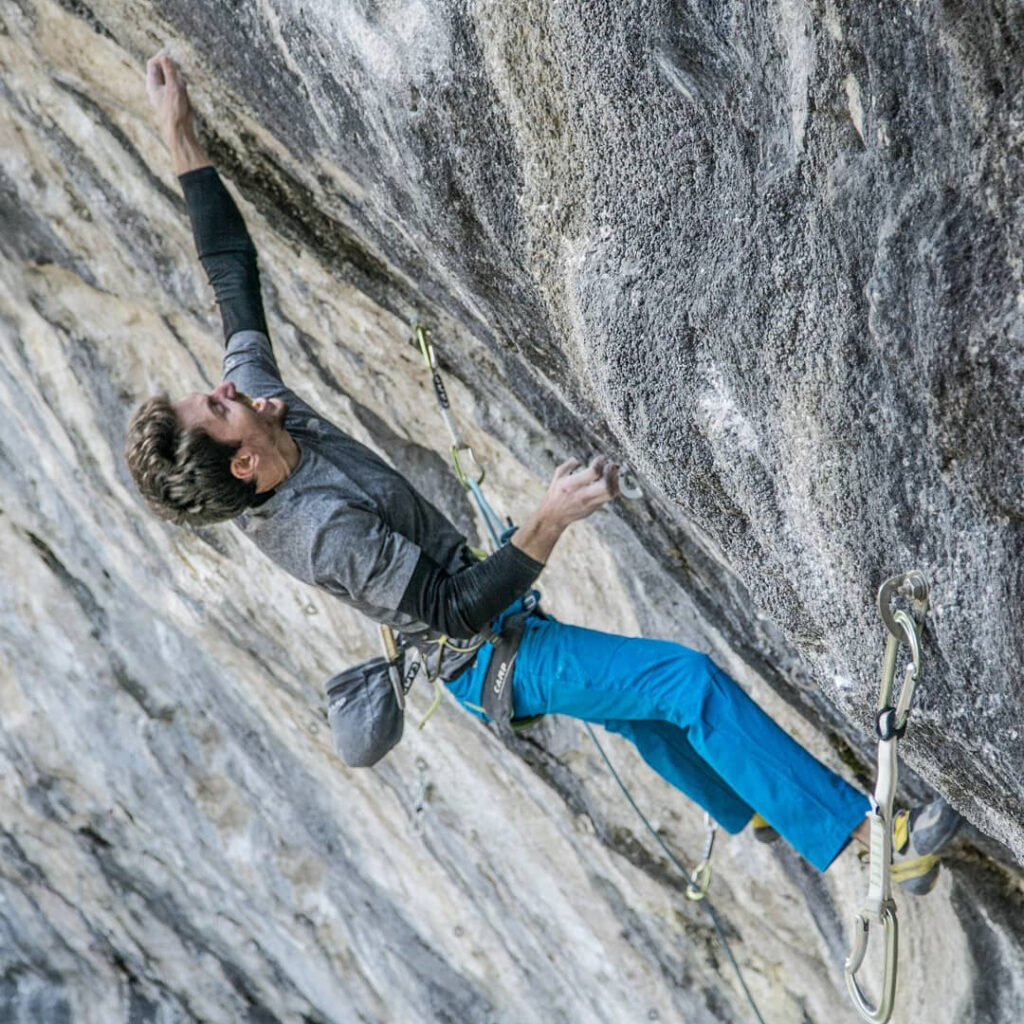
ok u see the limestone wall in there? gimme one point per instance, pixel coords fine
(767, 253)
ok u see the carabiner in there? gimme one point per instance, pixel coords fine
(460, 470)
(699, 881)
(881, 1013)
(700, 876)
(892, 721)
(426, 348)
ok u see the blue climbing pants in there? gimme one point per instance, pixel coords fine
(689, 721)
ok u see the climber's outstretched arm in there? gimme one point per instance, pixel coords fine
(221, 238)
(463, 604)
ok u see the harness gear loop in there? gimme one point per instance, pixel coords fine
(891, 722)
(700, 876)
(443, 641)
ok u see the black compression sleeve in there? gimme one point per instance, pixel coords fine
(225, 249)
(464, 604)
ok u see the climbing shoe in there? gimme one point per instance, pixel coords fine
(918, 838)
(763, 832)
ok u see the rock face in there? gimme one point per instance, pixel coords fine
(768, 254)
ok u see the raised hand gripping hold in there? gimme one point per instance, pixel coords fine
(168, 94)
(575, 492)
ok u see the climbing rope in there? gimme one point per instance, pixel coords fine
(680, 867)
(891, 723)
(699, 879)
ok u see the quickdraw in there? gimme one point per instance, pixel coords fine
(879, 908)
(461, 452)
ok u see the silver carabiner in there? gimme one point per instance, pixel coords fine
(879, 906)
(896, 717)
(890, 928)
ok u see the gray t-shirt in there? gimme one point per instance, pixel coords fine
(344, 520)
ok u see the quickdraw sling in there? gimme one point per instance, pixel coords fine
(879, 908)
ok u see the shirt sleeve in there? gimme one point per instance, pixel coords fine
(355, 554)
(250, 364)
(225, 250)
(465, 603)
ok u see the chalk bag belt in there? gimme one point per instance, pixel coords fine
(879, 908)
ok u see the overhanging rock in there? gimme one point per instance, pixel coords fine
(769, 255)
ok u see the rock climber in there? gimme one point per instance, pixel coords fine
(333, 514)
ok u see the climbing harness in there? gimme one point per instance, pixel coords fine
(497, 687)
(879, 908)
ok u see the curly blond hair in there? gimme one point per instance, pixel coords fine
(184, 475)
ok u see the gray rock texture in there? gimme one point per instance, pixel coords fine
(769, 254)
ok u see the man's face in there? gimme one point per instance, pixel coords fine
(232, 417)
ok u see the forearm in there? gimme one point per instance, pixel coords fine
(465, 604)
(187, 154)
(538, 535)
(225, 249)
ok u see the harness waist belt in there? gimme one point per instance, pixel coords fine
(497, 690)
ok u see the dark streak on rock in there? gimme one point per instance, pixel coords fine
(212, 538)
(28, 238)
(97, 616)
(294, 212)
(138, 692)
(81, 10)
(83, 596)
(94, 838)
(990, 906)
(675, 971)
(164, 908)
(179, 338)
(619, 840)
(130, 225)
(27, 997)
(14, 861)
(810, 883)
(100, 117)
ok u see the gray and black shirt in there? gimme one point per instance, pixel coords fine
(344, 520)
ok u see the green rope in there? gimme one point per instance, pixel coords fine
(682, 870)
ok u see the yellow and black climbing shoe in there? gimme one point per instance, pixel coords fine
(763, 832)
(918, 838)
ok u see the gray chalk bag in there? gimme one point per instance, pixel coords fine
(366, 721)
